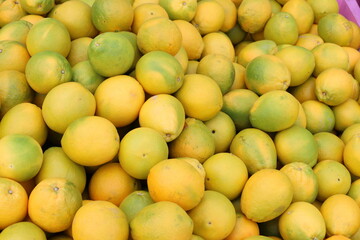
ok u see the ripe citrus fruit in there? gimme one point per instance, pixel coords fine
(195, 141)
(209, 16)
(351, 155)
(330, 146)
(21, 157)
(200, 96)
(274, 74)
(309, 40)
(141, 148)
(333, 178)
(341, 215)
(302, 12)
(328, 88)
(37, 7)
(161, 220)
(111, 183)
(300, 221)
(350, 132)
(78, 51)
(214, 217)
(304, 181)
(84, 74)
(10, 10)
(145, 12)
(253, 15)
(15, 31)
(159, 34)
(163, 113)
(48, 34)
(319, 116)
(255, 49)
(47, 69)
(218, 43)
(180, 10)
(14, 202)
(177, 181)
(323, 8)
(255, 148)
(57, 164)
(225, 173)
(62, 198)
(159, 72)
(100, 220)
(112, 16)
(266, 195)
(305, 91)
(65, 103)
(108, 60)
(244, 227)
(24, 118)
(91, 141)
(119, 99)
(346, 114)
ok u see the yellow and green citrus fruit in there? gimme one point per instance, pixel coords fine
(100, 219)
(65, 103)
(112, 15)
(159, 72)
(329, 55)
(323, 8)
(140, 149)
(330, 146)
(266, 195)
(162, 220)
(330, 90)
(14, 202)
(22, 157)
(15, 31)
(319, 116)
(305, 91)
(27, 119)
(225, 173)
(23, 230)
(47, 69)
(230, 11)
(350, 132)
(253, 15)
(296, 144)
(300, 221)
(48, 34)
(84, 74)
(300, 62)
(281, 28)
(302, 12)
(351, 155)
(255, 49)
(163, 113)
(76, 16)
(255, 148)
(108, 60)
(303, 179)
(346, 114)
(57, 164)
(37, 7)
(159, 34)
(177, 181)
(180, 10)
(266, 73)
(214, 217)
(219, 68)
(134, 202)
(78, 52)
(195, 141)
(63, 199)
(237, 104)
(119, 99)
(14, 90)
(244, 227)
(335, 28)
(200, 96)
(274, 111)
(218, 43)
(333, 178)
(91, 141)
(14, 56)
(309, 41)
(223, 129)
(10, 11)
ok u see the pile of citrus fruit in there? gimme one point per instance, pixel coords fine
(179, 120)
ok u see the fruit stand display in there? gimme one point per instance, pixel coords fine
(179, 120)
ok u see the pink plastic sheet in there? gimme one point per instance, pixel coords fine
(350, 9)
